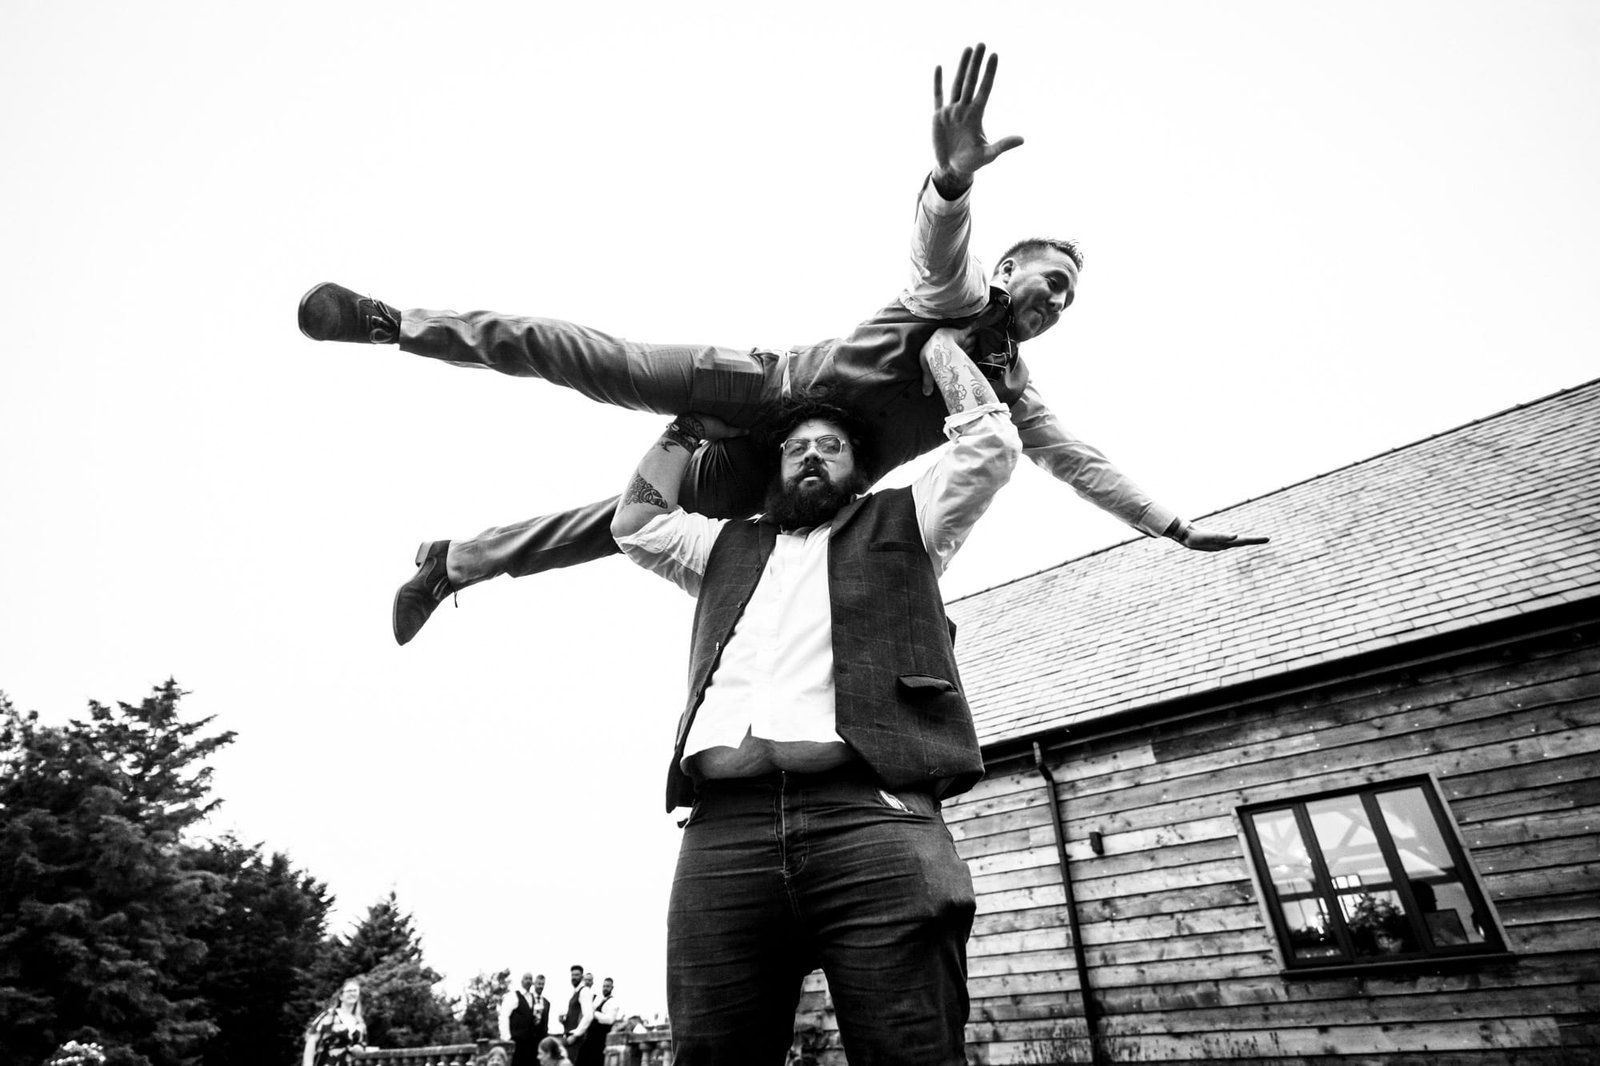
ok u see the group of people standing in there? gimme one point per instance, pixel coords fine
(525, 1020)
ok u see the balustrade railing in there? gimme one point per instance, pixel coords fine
(652, 1047)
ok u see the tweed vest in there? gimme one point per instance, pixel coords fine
(897, 695)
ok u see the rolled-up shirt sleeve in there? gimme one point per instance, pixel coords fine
(675, 545)
(1084, 467)
(954, 492)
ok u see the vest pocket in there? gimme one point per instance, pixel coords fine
(931, 698)
(924, 686)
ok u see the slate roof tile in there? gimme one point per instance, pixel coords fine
(1484, 521)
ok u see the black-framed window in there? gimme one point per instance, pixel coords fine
(1367, 875)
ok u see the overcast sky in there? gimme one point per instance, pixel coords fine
(1314, 232)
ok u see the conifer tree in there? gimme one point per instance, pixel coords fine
(99, 907)
(402, 1008)
(265, 943)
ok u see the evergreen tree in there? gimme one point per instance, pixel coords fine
(385, 933)
(397, 993)
(481, 1015)
(265, 945)
(98, 907)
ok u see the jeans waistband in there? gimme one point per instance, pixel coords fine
(854, 772)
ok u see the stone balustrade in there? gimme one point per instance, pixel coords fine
(482, 1053)
(653, 1047)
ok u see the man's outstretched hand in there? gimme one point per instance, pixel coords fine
(1201, 539)
(960, 148)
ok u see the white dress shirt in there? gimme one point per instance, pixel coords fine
(775, 677)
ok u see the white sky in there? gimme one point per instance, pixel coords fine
(1314, 231)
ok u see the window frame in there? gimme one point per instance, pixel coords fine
(1327, 893)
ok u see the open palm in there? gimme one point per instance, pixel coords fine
(960, 147)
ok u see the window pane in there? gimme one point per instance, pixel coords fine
(1348, 844)
(1416, 835)
(1444, 905)
(1309, 935)
(1305, 916)
(1362, 881)
(1377, 923)
(1285, 853)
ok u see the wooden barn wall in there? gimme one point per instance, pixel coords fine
(1181, 958)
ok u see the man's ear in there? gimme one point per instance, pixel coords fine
(1006, 268)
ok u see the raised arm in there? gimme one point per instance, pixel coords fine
(954, 492)
(653, 488)
(946, 282)
(963, 386)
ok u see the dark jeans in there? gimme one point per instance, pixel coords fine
(781, 874)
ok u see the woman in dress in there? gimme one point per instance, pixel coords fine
(337, 1031)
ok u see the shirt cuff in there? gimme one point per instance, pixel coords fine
(1155, 520)
(954, 424)
(935, 203)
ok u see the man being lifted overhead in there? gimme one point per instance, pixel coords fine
(876, 369)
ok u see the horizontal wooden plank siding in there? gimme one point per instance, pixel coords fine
(1182, 963)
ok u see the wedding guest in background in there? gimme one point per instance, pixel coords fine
(338, 1030)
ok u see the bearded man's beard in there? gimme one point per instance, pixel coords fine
(796, 506)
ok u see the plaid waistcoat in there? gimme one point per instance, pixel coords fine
(897, 694)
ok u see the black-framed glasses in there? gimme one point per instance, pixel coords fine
(827, 446)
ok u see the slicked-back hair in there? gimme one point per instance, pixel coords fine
(1032, 246)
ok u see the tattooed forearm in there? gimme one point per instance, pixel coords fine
(963, 387)
(641, 491)
(674, 437)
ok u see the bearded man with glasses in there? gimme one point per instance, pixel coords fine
(824, 724)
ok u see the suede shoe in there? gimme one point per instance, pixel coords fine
(332, 312)
(415, 600)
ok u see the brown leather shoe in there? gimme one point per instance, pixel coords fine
(332, 312)
(415, 600)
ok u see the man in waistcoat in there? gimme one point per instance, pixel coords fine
(579, 1014)
(525, 1018)
(824, 724)
(593, 1052)
(1033, 283)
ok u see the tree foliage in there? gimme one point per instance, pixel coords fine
(119, 929)
(267, 946)
(403, 1010)
(480, 1015)
(98, 907)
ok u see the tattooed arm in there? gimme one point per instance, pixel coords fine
(953, 494)
(955, 376)
(653, 488)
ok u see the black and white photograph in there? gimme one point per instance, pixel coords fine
(899, 534)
